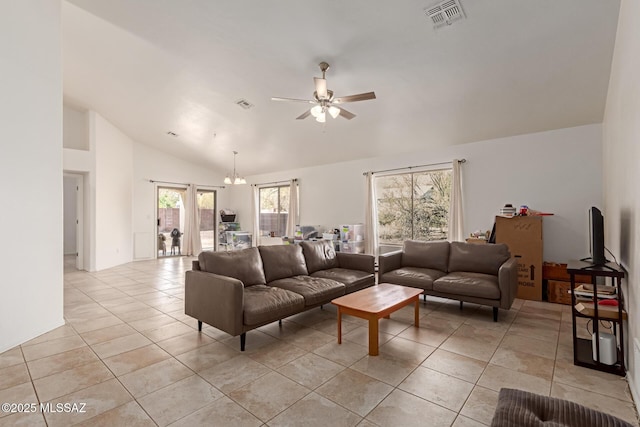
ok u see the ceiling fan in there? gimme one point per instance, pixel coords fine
(325, 102)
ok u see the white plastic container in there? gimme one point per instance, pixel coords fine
(352, 247)
(608, 348)
(352, 232)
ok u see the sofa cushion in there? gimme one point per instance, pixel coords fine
(282, 261)
(244, 265)
(354, 280)
(264, 304)
(477, 285)
(477, 258)
(319, 255)
(414, 277)
(433, 255)
(315, 290)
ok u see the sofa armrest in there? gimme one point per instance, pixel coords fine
(508, 282)
(215, 300)
(360, 262)
(389, 262)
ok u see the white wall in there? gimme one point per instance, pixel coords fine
(113, 194)
(75, 130)
(118, 197)
(77, 160)
(151, 164)
(622, 172)
(69, 214)
(557, 171)
(31, 170)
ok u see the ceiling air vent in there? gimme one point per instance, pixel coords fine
(244, 104)
(445, 13)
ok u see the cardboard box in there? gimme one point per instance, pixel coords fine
(556, 271)
(559, 292)
(523, 236)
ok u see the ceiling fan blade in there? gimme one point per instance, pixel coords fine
(304, 115)
(354, 98)
(307, 101)
(321, 87)
(346, 114)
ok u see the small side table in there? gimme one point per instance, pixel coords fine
(582, 348)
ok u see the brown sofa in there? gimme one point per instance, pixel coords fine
(481, 274)
(243, 290)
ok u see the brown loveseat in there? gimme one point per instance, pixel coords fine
(243, 290)
(481, 274)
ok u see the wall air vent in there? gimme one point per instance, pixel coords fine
(445, 13)
(244, 104)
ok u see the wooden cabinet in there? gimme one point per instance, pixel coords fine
(583, 351)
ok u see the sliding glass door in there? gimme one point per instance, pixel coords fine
(172, 209)
(171, 215)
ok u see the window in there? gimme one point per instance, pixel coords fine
(274, 210)
(413, 206)
(207, 214)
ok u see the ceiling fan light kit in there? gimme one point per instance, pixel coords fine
(316, 111)
(235, 178)
(326, 102)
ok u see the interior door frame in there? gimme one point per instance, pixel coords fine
(79, 222)
(78, 212)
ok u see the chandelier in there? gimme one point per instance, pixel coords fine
(235, 179)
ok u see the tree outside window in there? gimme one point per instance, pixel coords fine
(413, 206)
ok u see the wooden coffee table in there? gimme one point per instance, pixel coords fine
(374, 303)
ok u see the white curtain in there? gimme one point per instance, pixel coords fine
(456, 226)
(371, 218)
(255, 214)
(191, 244)
(292, 219)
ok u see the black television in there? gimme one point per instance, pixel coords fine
(596, 236)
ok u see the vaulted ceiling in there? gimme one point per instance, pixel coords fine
(511, 67)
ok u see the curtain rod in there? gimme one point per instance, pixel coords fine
(414, 167)
(274, 182)
(187, 185)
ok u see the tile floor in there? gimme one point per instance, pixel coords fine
(131, 355)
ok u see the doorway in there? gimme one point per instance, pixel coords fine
(171, 215)
(73, 223)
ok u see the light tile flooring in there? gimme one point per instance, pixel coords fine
(131, 355)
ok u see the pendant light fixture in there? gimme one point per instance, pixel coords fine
(235, 179)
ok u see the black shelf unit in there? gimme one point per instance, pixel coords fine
(582, 348)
